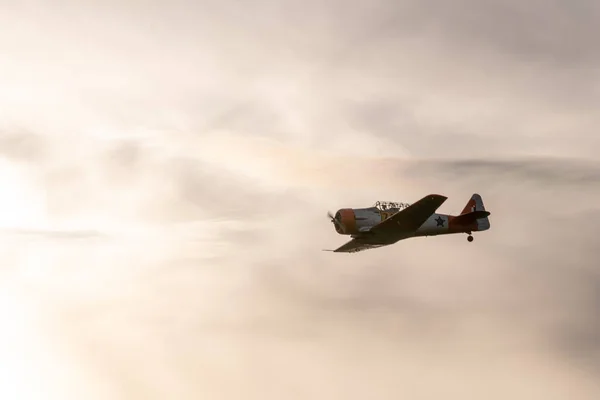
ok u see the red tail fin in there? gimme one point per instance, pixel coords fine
(470, 207)
(474, 212)
(475, 204)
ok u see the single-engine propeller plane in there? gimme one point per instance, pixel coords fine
(386, 223)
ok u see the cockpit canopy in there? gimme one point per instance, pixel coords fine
(387, 205)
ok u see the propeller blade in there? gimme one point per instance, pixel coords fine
(335, 221)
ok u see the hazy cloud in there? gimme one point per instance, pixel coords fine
(168, 170)
(581, 174)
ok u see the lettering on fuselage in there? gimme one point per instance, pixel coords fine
(388, 208)
(386, 214)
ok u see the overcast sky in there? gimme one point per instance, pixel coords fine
(166, 169)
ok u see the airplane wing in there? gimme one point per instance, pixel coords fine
(411, 218)
(357, 244)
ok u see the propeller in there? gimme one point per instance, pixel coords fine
(334, 220)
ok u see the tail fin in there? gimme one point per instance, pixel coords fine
(476, 204)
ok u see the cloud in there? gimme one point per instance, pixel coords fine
(65, 234)
(280, 289)
(540, 171)
(19, 145)
(206, 142)
(229, 300)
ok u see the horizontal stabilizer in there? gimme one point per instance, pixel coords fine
(468, 218)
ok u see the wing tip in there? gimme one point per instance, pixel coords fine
(439, 197)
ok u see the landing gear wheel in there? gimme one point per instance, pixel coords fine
(470, 238)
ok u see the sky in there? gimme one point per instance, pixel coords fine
(166, 169)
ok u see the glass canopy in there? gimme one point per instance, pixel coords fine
(390, 205)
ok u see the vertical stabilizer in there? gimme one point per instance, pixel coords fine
(476, 204)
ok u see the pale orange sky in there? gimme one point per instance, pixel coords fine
(166, 169)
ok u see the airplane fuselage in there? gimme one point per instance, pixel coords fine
(357, 221)
(386, 223)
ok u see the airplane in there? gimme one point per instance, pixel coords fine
(386, 223)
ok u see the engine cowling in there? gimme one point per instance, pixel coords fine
(347, 221)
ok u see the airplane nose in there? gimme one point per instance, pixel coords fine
(347, 221)
(338, 218)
